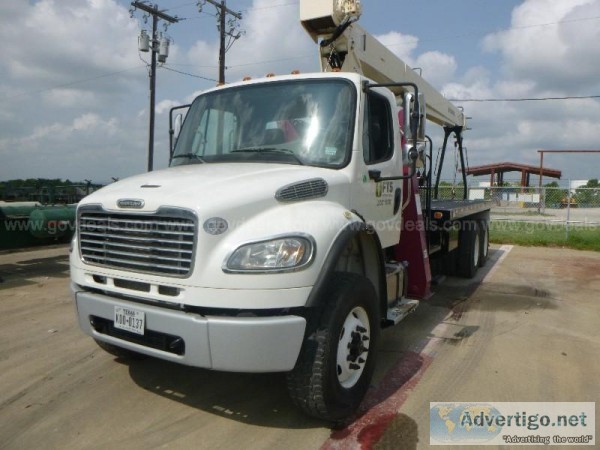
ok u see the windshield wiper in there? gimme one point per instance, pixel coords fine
(189, 156)
(284, 151)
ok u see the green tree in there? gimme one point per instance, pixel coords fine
(588, 196)
(554, 195)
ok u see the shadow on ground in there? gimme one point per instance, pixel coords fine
(257, 399)
(23, 273)
(262, 399)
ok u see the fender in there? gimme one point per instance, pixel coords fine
(346, 235)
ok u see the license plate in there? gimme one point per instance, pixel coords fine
(129, 319)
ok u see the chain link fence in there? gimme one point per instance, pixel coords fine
(551, 205)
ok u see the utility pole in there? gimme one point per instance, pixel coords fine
(223, 10)
(162, 48)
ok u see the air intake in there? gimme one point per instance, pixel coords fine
(303, 190)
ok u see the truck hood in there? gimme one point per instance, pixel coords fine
(215, 189)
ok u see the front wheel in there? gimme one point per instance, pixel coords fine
(337, 359)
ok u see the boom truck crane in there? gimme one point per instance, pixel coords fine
(288, 230)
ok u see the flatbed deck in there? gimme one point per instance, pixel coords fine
(458, 209)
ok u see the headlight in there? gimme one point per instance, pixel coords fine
(281, 254)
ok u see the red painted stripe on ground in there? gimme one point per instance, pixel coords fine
(381, 405)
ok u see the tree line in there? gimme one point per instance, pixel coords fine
(46, 190)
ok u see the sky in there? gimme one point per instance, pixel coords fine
(74, 96)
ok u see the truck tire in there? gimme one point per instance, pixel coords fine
(469, 250)
(119, 352)
(337, 359)
(484, 242)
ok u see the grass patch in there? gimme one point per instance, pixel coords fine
(544, 235)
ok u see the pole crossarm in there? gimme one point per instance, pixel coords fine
(224, 8)
(155, 12)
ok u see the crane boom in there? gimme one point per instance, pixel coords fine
(353, 49)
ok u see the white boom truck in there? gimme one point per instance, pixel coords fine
(288, 229)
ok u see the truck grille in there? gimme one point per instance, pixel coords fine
(161, 243)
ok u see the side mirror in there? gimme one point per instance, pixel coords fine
(178, 123)
(414, 128)
(408, 114)
(422, 119)
(414, 117)
(175, 126)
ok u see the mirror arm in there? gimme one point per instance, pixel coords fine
(413, 155)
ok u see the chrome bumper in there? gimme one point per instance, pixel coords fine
(233, 344)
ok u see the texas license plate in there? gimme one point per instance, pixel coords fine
(129, 319)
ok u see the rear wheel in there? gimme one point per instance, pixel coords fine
(337, 359)
(469, 249)
(484, 242)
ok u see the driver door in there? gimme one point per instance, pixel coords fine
(380, 202)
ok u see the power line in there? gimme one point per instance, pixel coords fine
(243, 10)
(484, 33)
(193, 65)
(182, 6)
(271, 61)
(270, 7)
(187, 73)
(73, 83)
(533, 99)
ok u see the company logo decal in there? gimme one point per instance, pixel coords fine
(130, 203)
(215, 226)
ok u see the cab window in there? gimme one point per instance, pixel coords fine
(378, 142)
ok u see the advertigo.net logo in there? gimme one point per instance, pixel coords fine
(504, 423)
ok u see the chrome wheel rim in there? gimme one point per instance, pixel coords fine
(353, 347)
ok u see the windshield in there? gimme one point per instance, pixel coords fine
(305, 122)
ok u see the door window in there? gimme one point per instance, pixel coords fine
(377, 131)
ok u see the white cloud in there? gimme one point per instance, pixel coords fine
(68, 98)
(553, 60)
(74, 94)
(52, 41)
(67, 87)
(165, 105)
(552, 43)
(438, 68)
(89, 144)
(85, 125)
(273, 42)
(402, 45)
